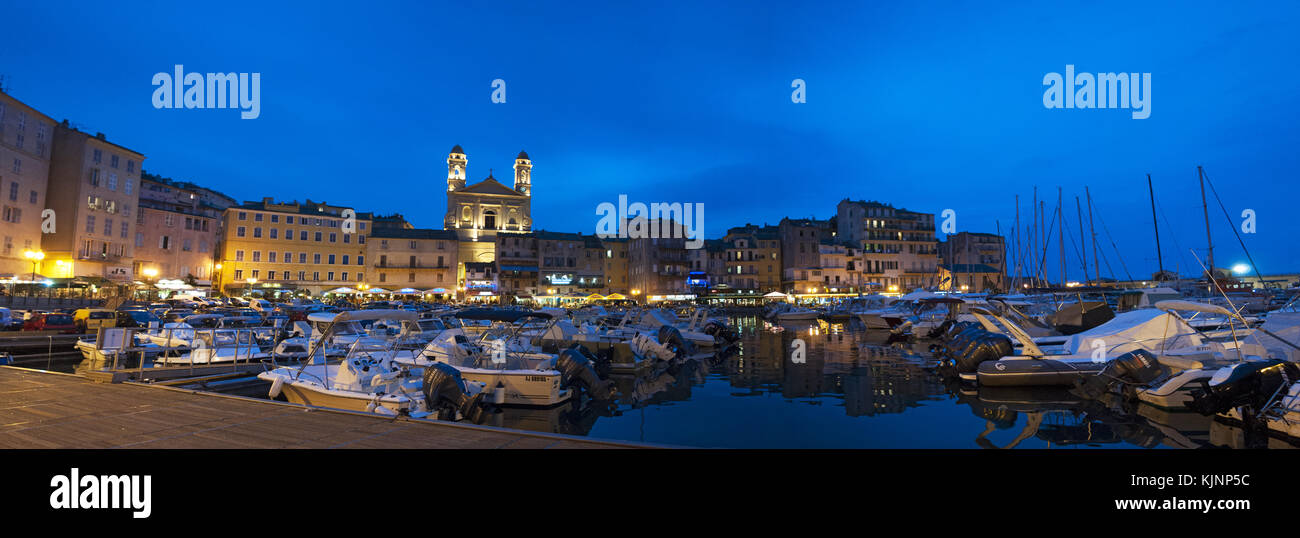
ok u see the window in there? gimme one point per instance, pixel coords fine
(125, 229)
(361, 276)
(257, 232)
(412, 243)
(254, 273)
(315, 259)
(97, 156)
(334, 237)
(383, 277)
(288, 219)
(113, 161)
(270, 256)
(130, 166)
(318, 236)
(331, 276)
(243, 215)
(315, 275)
(288, 257)
(275, 218)
(344, 276)
(331, 261)
(302, 257)
(302, 236)
(126, 186)
(270, 275)
(257, 255)
(33, 198)
(345, 261)
(186, 245)
(18, 166)
(239, 274)
(302, 275)
(139, 239)
(239, 232)
(361, 239)
(164, 242)
(90, 224)
(239, 255)
(288, 234)
(257, 217)
(361, 260)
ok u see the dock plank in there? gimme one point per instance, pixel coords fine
(46, 410)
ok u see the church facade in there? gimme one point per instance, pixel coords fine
(481, 211)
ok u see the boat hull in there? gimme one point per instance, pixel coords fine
(1034, 372)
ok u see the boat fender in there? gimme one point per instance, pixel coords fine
(276, 387)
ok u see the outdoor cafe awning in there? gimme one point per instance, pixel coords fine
(595, 297)
(342, 290)
(616, 297)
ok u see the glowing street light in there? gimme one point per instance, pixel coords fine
(1240, 269)
(149, 272)
(35, 256)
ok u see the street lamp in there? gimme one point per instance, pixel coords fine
(35, 256)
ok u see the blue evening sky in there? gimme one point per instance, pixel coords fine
(926, 105)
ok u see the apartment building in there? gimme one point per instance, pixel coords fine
(178, 228)
(899, 252)
(285, 246)
(616, 267)
(25, 151)
(658, 267)
(753, 258)
(94, 195)
(417, 258)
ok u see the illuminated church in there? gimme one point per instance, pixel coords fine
(480, 211)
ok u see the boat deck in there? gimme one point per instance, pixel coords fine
(50, 410)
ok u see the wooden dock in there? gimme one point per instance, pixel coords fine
(50, 410)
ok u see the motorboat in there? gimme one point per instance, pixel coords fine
(368, 379)
(988, 358)
(515, 370)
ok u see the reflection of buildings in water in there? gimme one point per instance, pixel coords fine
(871, 380)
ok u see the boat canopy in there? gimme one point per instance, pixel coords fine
(1191, 306)
(775, 295)
(918, 295)
(359, 315)
(488, 314)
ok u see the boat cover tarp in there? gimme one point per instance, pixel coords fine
(1285, 325)
(1146, 328)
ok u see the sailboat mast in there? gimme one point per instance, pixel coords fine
(1060, 224)
(1083, 240)
(1156, 226)
(1096, 259)
(1209, 240)
(1015, 241)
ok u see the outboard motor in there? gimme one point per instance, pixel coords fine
(1245, 384)
(670, 335)
(984, 347)
(1137, 367)
(445, 393)
(720, 331)
(905, 326)
(577, 369)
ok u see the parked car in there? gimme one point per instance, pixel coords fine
(50, 322)
(91, 319)
(136, 319)
(10, 321)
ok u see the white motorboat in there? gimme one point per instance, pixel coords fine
(516, 371)
(368, 379)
